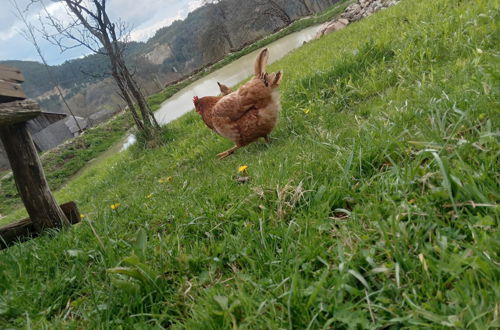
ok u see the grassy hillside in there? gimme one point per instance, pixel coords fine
(376, 204)
(62, 163)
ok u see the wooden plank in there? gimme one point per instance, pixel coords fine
(18, 111)
(24, 230)
(72, 213)
(11, 74)
(30, 178)
(10, 92)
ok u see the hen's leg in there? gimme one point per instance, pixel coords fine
(267, 138)
(228, 152)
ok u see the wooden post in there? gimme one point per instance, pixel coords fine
(30, 178)
(28, 173)
(18, 112)
(24, 230)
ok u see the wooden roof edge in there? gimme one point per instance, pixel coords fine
(11, 74)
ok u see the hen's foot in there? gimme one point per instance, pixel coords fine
(224, 154)
(229, 152)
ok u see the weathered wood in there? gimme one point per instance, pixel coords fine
(9, 73)
(11, 92)
(24, 230)
(30, 178)
(18, 111)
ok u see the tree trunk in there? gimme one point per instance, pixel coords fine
(227, 36)
(30, 178)
(126, 82)
(115, 72)
(225, 31)
(103, 29)
(281, 13)
(306, 6)
(124, 94)
(147, 115)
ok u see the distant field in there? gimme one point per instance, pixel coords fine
(375, 205)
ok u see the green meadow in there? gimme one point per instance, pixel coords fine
(374, 206)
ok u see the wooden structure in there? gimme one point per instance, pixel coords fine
(28, 173)
(24, 230)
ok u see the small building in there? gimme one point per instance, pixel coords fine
(76, 125)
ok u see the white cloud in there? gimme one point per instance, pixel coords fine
(145, 18)
(56, 9)
(192, 5)
(11, 32)
(146, 32)
(148, 29)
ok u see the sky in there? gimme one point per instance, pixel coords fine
(143, 16)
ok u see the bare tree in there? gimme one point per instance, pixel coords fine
(90, 26)
(29, 35)
(217, 10)
(306, 5)
(265, 9)
(274, 9)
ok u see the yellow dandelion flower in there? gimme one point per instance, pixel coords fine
(242, 169)
(115, 206)
(167, 179)
(306, 111)
(82, 216)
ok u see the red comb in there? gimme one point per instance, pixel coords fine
(195, 99)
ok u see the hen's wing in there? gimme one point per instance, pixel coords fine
(253, 95)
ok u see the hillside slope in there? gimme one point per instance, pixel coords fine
(375, 206)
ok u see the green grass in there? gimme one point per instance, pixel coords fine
(375, 206)
(62, 163)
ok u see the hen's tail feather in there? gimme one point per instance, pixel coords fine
(224, 89)
(261, 63)
(277, 78)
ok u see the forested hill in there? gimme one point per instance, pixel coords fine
(206, 35)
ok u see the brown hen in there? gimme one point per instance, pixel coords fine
(247, 114)
(204, 106)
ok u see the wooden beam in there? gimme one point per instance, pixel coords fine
(11, 74)
(30, 178)
(10, 92)
(18, 111)
(24, 230)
